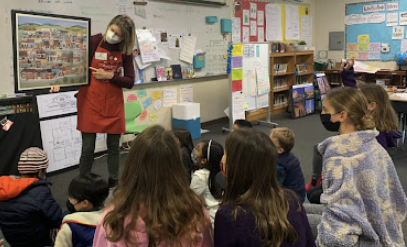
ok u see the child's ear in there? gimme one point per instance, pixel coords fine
(280, 150)
(203, 161)
(87, 205)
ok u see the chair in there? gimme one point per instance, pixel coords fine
(131, 111)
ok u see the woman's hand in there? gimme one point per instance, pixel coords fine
(101, 74)
(54, 89)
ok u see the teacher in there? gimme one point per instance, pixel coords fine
(100, 104)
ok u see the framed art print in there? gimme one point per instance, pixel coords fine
(50, 50)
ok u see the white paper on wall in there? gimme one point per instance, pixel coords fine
(273, 22)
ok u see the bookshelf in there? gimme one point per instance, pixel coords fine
(280, 81)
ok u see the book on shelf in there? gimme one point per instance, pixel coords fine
(176, 71)
(187, 71)
(280, 68)
(160, 73)
(301, 79)
(280, 83)
(301, 67)
(168, 73)
(280, 100)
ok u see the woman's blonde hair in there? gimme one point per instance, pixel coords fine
(155, 187)
(354, 103)
(384, 116)
(126, 25)
(251, 183)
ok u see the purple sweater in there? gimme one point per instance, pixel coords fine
(242, 232)
(388, 139)
(347, 78)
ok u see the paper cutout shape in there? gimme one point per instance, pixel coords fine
(157, 104)
(237, 74)
(237, 50)
(141, 93)
(143, 115)
(147, 102)
(156, 95)
(131, 97)
(153, 117)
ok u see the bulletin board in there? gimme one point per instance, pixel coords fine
(258, 18)
(177, 18)
(366, 31)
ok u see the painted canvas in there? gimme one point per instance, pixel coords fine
(50, 50)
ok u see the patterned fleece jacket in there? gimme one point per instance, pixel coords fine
(364, 202)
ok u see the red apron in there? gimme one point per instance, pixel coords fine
(101, 105)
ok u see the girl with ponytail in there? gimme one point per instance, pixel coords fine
(364, 202)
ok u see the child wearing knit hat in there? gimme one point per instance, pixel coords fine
(28, 212)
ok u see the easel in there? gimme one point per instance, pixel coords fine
(267, 121)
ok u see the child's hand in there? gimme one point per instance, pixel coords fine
(1, 242)
(350, 63)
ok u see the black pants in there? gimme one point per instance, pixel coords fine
(88, 149)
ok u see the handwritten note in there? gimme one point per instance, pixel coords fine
(246, 34)
(237, 74)
(374, 55)
(260, 18)
(236, 34)
(260, 34)
(148, 46)
(237, 50)
(153, 117)
(253, 10)
(147, 102)
(274, 30)
(352, 47)
(363, 47)
(237, 86)
(292, 24)
(237, 62)
(188, 48)
(156, 95)
(398, 32)
(157, 104)
(186, 93)
(351, 54)
(237, 106)
(246, 17)
(263, 81)
(262, 101)
(374, 47)
(253, 28)
(363, 55)
(141, 93)
(169, 97)
(392, 19)
(363, 38)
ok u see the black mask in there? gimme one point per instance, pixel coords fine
(70, 206)
(326, 122)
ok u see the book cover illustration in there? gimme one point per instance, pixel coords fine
(160, 73)
(168, 73)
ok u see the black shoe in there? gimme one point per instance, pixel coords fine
(112, 183)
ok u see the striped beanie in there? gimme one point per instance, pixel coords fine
(32, 160)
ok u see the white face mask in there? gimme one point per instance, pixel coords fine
(112, 38)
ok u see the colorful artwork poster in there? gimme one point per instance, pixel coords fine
(51, 50)
(298, 94)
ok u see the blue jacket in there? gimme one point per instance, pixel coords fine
(27, 211)
(294, 179)
(78, 229)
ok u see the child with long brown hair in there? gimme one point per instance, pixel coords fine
(154, 205)
(378, 104)
(256, 211)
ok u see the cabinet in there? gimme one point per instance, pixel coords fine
(283, 74)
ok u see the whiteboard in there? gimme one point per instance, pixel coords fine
(177, 18)
(63, 142)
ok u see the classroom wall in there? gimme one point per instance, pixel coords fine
(330, 15)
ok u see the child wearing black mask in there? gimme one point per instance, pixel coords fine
(86, 196)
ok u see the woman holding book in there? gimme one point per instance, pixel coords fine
(101, 104)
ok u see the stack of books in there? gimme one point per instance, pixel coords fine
(280, 68)
(280, 83)
(280, 100)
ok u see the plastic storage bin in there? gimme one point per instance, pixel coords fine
(187, 116)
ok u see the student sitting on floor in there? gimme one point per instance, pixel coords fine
(86, 196)
(206, 157)
(241, 123)
(364, 202)
(187, 146)
(289, 173)
(28, 212)
(153, 205)
(255, 210)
